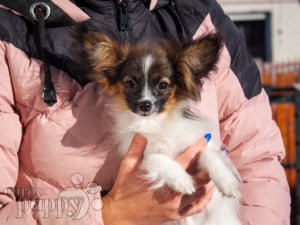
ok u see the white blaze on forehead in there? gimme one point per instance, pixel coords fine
(147, 63)
(148, 60)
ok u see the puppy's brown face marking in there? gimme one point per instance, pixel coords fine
(151, 78)
(147, 79)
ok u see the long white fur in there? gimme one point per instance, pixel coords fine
(168, 134)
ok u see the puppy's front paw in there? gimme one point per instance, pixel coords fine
(181, 182)
(163, 170)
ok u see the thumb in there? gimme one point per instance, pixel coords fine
(191, 154)
(134, 155)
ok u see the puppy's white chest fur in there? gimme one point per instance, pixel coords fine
(169, 134)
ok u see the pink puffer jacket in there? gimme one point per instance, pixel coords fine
(54, 161)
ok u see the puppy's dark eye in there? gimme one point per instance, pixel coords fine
(129, 84)
(163, 86)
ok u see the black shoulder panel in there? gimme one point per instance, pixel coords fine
(17, 30)
(22, 33)
(242, 63)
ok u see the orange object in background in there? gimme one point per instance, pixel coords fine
(266, 75)
(282, 77)
(284, 115)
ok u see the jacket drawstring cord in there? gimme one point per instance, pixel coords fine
(41, 12)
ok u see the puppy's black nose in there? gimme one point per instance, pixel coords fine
(145, 106)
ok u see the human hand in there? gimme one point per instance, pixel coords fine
(131, 202)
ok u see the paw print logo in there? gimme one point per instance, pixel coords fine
(73, 201)
(76, 202)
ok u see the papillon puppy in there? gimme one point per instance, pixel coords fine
(149, 86)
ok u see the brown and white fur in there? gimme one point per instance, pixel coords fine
(150, 86)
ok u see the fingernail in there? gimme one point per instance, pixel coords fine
(207, 137)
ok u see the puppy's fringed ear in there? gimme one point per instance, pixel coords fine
(103, 55)
(194, 61)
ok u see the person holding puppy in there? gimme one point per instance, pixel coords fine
(55, 138)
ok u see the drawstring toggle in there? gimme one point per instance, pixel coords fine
(40, 11)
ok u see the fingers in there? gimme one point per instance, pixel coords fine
(134, 154)
(201, 178)
(191, 154)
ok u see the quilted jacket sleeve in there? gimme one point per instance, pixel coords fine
(13, 211)
(252, 137)
(255, 145)
(10, 134)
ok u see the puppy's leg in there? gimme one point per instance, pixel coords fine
(162, 169)
(221, 171)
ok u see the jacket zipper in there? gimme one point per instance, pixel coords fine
(123, 19)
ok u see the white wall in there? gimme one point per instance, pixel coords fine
(285, 22)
